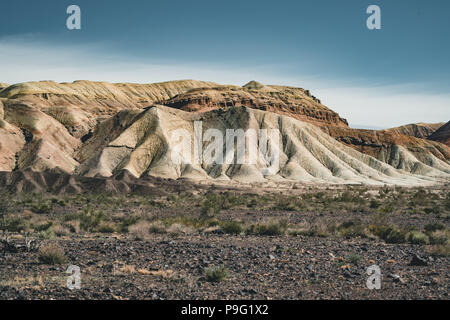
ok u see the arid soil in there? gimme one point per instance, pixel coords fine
(166, 267)
(302, 243)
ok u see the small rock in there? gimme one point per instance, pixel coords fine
(417, 261)
(271, 257)
(396, 278)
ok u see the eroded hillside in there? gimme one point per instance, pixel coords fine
(100, 129)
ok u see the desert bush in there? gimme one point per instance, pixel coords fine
(288, 204)
(348, 196)
(90, 219)
(127, 222)
(434, 209)
(216, 273)
(439, 237)
(274, 228)
(51, 254)
(231, 227)
(440, 250)
(43, 227)
(5, 206)
(14, 224)
(374, 204)
(140, 230)
(354, 258)
(416, 237)
(389, 233)
(106, 227)
(352, 229)
(212, 205)
(178, 228)
(157, 227)
(42, 206)
(431, 227)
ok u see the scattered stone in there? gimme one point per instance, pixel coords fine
(417, 261)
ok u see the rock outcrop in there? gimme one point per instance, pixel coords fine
(78, 105)
(297, 103)
(418, 130)
(442, 134)
(400, 151)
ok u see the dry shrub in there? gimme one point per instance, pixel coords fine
(51, 254)
(140, 230)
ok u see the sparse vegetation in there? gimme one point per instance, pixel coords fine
(274, 228)
(216, 273)
(51, 254)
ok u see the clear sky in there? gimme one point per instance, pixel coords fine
(374, 78)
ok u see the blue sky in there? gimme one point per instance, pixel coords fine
(402, 70)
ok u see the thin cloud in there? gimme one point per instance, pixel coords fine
(24, 59)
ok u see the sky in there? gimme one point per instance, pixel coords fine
(382, 78)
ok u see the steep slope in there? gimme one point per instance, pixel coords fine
(146, 147)
(442, 134)
(3, 85)
(43, 123)
(397, 150)
(418, 130)
(77, 105)
(294, 102)
(390, 146)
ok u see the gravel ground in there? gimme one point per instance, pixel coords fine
(259, 267)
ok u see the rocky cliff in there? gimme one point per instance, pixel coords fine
(418, 130)
(442, 134)
(297, 103)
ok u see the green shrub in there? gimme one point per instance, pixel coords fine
(352, 229)
(13, 224)
(216, 273)
(127, 222)
(46, 234)
(212, 205)
(43, 227)
(270, 229)
(439, 237)
(431, 227)
(416, 237)
(231, 227)
(354, 258)
(106, 228)
(389, 233)
(90, 219)
(42, 206)
(375, 204)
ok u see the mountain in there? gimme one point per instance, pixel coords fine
(442, 134)
(297, 103)
(97, 129)
(398, 150)
(418, 130)
(78, 105)
(307, 154)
